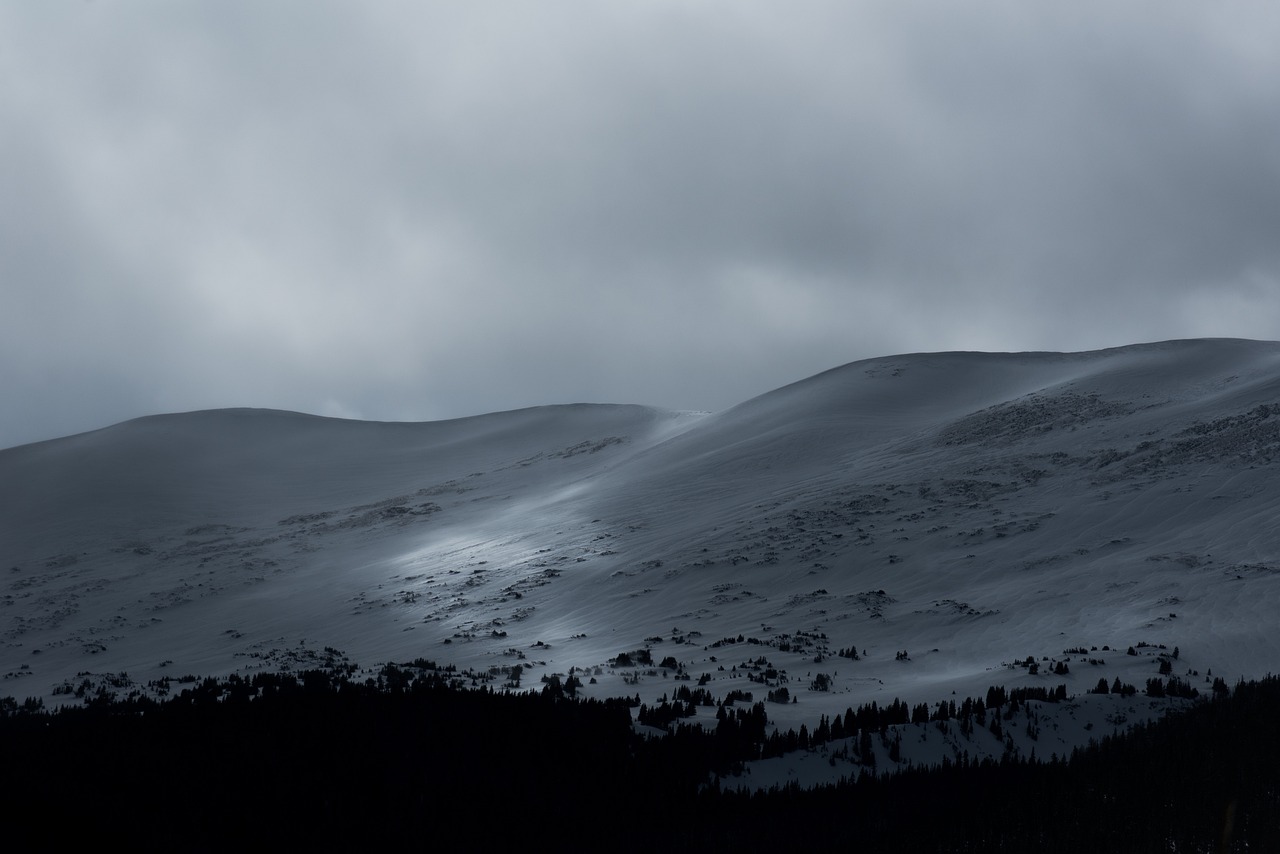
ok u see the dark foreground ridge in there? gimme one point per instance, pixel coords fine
(405, 758)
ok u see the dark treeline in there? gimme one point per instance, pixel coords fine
(1203, 780)
(410, 758)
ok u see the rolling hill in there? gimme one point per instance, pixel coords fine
(954, 518)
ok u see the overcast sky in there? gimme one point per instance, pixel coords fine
(415, 211)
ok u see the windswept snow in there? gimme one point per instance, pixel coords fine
(969, 509)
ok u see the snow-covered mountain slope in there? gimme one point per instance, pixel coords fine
(967, 509)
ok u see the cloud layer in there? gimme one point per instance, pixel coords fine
(396, 210)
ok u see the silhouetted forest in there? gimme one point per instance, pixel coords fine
(411, 758)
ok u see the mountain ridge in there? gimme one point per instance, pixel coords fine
(970, 509)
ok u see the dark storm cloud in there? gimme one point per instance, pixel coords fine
(400, 210)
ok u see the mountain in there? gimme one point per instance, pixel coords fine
(948, 515)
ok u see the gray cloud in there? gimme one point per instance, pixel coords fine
(409, 211)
